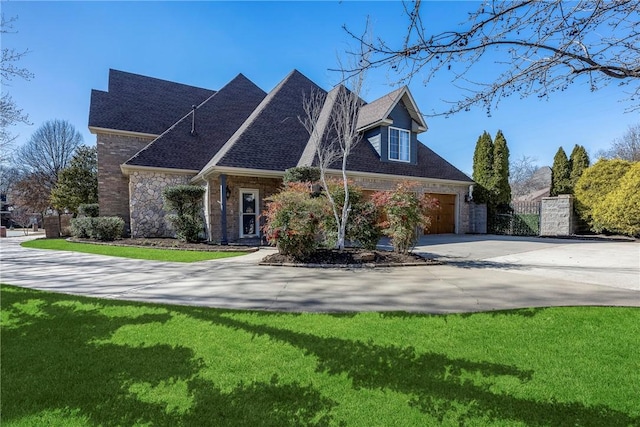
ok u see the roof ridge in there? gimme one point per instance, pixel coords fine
(173, 126)
(154, 78)
(247, 123)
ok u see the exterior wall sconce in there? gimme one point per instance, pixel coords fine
(228, 193)
(467, 198)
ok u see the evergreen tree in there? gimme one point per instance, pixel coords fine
(483, 169)
(501, 189)
(579, 161)
(78, 183)
(560, 174)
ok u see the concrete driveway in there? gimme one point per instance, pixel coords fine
(482, 273)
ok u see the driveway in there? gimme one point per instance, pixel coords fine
(481, 273)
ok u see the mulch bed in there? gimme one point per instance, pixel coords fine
(350, 258)
(168, 243)
(328, 258)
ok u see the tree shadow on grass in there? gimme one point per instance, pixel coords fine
(56, 359)
(436, 382)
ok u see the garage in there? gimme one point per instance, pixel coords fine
(443, 220)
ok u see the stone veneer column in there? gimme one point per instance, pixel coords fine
(556, 216)
(146, 204)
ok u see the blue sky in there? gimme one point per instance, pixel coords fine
(73, 45)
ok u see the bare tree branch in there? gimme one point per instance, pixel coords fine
(540, 47)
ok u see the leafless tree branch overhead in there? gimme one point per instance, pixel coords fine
(535, 47)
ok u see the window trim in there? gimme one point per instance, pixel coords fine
(399, 150)
(256, 214)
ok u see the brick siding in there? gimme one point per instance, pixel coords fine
(113, 186)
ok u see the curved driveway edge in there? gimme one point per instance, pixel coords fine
(459, 286)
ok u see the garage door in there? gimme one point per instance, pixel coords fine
(443, 220)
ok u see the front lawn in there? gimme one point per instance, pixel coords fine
(69, 360)
(129, 252)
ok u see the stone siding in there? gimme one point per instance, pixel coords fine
(113, 185)
(146, 204)
(556, 216)
(266, 187)
(478, 218)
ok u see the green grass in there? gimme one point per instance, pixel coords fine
(129, 252)
(69, 360)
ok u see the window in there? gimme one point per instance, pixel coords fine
(399, 142)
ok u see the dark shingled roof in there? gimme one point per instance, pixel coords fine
(240, 127)
(142, 104)
(272, 138)
(364, 157)
(216, 119)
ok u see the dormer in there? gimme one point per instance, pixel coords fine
(391, 125)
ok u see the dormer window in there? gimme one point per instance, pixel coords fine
(399, 143)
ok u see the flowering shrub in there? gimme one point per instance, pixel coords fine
(292, 220)
(404, 212)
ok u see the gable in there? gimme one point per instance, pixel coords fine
(142, 104)
(272, 138)
(216, 119)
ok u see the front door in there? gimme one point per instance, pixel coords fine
(249, 212)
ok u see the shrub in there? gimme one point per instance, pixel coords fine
(362, 225)
(292, 221)
(620, 209)
(187, 227)
(405, 211)
(82, 227)
(89, 209)
(301, 174)
(593, 187)
(186, 201)
(104, 228)
(107, 228)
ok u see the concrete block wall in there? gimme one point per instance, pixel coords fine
(113, 185)
(556, 216)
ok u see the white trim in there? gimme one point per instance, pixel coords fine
(399, 150)
(401, 177)
(128, 169)
(256, 214)
(383, 122)
(95, 130)
(259, 173)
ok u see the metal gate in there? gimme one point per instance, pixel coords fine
(523, 219)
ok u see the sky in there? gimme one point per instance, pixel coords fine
(72, 46)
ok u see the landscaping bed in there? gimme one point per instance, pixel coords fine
(351, 257)
(170, 243)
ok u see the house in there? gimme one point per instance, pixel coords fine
(238, 141)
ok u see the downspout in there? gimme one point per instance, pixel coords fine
(223, 210)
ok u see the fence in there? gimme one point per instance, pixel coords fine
(523, 219)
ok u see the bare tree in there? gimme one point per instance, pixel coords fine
(10, 114)
(32, 193)
(627, 147)
(331, 121)
(521, 172)
(49, 150)
(537, 48)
